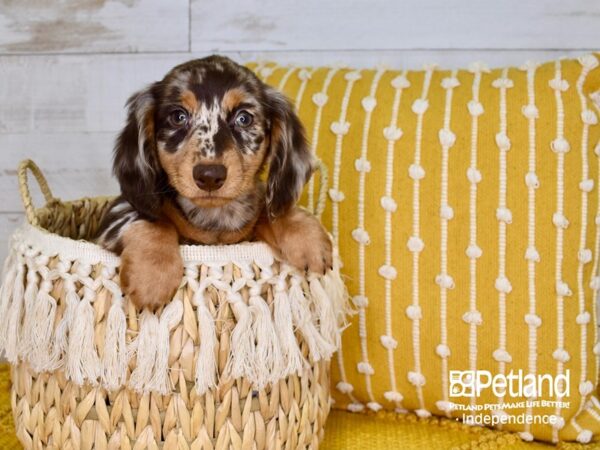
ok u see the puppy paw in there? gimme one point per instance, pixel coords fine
(304, 243)
(151, 271)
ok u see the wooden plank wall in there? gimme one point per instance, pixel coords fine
(66, 68)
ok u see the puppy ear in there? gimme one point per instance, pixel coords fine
(291, 162)
(135, 161)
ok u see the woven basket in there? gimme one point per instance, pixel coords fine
(239, 359)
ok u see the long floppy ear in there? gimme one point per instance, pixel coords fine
(291, 162)
(135, 161)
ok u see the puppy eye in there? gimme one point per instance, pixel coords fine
(178, 118)
(243, 119)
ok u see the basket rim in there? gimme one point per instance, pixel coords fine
(52, 244)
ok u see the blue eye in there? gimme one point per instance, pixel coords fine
(243, 119)
(178, 118)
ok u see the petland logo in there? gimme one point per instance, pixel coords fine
(470, 383)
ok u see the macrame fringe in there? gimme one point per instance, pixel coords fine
(61, 342)
(14, 317)
(9, 275)
(29, 300)
(144, 349)
(272, 313)
(318, 347)
(151, 349)
(337, 293)
(267, 358)
(325, 313)
(206, 364)
(7, 267)
(44, 314)
(239, 360)
(115, 357)
(284, 327)
(83, 363)
(169, 318)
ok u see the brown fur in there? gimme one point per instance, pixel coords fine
(151, 267)
(164, 202)
(195, 234)
(232, 98)
(298, 238)
(189, 100)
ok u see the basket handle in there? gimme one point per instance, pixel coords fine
(322, 198)
(25, 166)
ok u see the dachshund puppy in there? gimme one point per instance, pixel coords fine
(189, 162)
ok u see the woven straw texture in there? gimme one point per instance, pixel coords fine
(238, 359)
(465, 205)
(346, 431)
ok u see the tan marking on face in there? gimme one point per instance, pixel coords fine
(242, 168)
(189, 101)
(232, 98)
(242, 173)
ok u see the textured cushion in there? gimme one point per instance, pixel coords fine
(464, 206)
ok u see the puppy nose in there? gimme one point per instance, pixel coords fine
(210, 177)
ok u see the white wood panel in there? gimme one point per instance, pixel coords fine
(61, 93)
(402, 59)
(385, 24)
(75, 164)
(86, 93)
(94, 26)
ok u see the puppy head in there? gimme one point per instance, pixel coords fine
(205, 132)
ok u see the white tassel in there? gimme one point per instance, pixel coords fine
(240, 356)
(294, 361)
(9, 275)
(318, 347)
(144, 347)
(8, 266)
(336, 291)
(44, 315)
(83, 363)
(169, 319)
(267, 359)
(325, 313)
(206, 364)
(92, 369)
(14, 317)
(115, 358)
(26, 345)
(59, 351)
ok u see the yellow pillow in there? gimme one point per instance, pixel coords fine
(465, 206)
